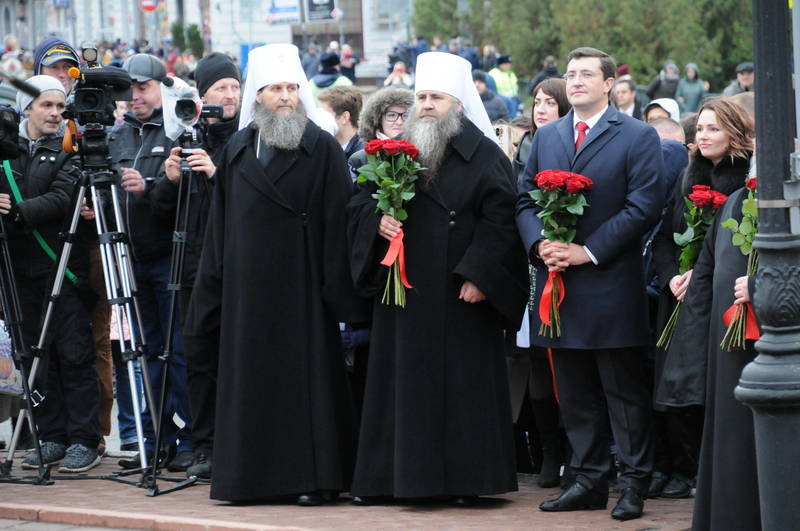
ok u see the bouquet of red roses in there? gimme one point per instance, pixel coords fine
(702, 204)
(740, 318)
(560, 196)
(392, 166)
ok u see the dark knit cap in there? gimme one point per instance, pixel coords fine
(329, 59)
(479, 75)
(212, 68)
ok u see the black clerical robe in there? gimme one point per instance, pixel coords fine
(436, 418)
(272, 284)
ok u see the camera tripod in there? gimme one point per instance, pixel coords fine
(188, 141)
(9, 300)
(117, 272)
(121, 292)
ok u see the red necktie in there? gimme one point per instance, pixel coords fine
(582, 127)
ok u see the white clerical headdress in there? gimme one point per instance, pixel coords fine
(279, 63)
(451, 74)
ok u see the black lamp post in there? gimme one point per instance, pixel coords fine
(770, 384)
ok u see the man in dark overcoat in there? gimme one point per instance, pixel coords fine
(599, 356)
(436, 418)
(273, 283)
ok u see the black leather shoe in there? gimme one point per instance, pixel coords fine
(629, 506)
(370, 500)
(657, 484)
(678, 487)
(576, 498)
(201, 466)
(465, 501)
(181, 462)
(310, 499)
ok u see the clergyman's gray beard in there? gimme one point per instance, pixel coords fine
(278, 130)
(432, 137)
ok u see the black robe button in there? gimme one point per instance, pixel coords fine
(452, 213)
(452, 224)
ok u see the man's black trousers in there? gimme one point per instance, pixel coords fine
(604, 393)
(202, 357)
(67, 375)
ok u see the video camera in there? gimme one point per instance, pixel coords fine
(186, 111)
(98, 90)
(183, 107)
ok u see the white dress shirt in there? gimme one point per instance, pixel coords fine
(591, 122)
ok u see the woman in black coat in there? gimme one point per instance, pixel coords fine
(721, 160)
(528, 367)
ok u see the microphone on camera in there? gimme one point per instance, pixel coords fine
(168, 81)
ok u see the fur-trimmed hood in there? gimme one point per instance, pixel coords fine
(376, 105)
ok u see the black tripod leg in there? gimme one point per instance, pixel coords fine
(176, 271)
(9, 299)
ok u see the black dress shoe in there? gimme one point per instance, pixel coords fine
(465, 501)
(576, 498)
(657, 484)
(181, 462)
(370, 500)
(678, 487)
(629, 506)
(310, 499)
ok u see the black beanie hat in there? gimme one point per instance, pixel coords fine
(212, 68)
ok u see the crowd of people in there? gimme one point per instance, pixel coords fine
(289, 375)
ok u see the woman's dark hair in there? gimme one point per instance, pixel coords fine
(556, 88)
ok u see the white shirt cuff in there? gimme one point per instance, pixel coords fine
(591, 256)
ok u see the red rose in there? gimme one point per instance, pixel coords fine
(751, 183)
(409, 149)
(718, 199)
(577, 183)
(550, 179)
(701, 199)
(701, 187)
(391, 147)
(373, 146)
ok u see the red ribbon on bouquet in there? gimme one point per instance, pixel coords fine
(397, 252)
(751, 327)
(546, 302)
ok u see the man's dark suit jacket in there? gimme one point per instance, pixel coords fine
(605, 305)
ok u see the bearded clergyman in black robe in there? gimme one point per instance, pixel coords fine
(437, 418)
(272, 285)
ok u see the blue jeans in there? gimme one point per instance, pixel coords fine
(125, 420)
(152, 279)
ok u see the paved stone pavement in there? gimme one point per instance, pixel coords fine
(27, 525)
(110, 504)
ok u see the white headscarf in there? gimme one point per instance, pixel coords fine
(279, 63)
(669, 105)
(43, 83)
(451, 74)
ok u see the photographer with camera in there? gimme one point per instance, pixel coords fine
(218, 83)
(35, 191)
(138, 147)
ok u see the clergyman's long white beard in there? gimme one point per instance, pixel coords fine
(278, 130)
(432, 137)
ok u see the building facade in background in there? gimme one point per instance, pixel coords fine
(370, 27)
